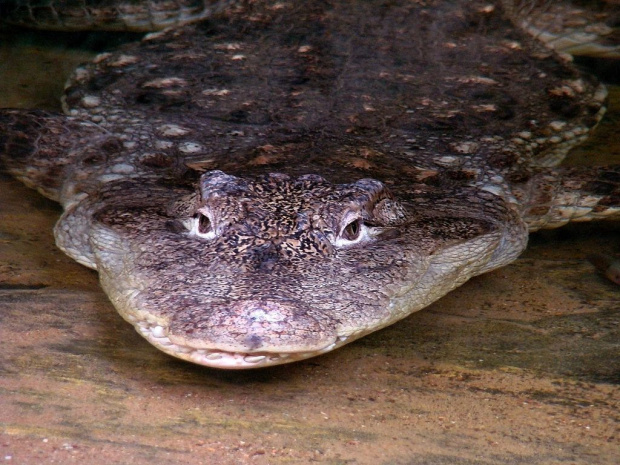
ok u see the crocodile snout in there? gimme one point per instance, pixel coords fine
(253, 326)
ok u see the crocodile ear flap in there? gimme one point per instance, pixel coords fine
(388, 212)
(218, 183)
(212, 184)
(216, 179)
(382, 209)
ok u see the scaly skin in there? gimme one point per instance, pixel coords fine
(107, 15)
(276, 182)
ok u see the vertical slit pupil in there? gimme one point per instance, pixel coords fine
(204, 224)
(352, 230)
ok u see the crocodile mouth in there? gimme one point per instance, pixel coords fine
(216, 358)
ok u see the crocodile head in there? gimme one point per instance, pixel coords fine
(255, 272)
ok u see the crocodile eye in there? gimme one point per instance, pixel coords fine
(352, 230)
(204, 224)
(201, 226)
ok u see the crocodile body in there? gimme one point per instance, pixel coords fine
(281, 179)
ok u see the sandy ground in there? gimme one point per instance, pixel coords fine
(519, 366)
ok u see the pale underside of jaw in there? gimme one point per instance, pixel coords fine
(215, 358)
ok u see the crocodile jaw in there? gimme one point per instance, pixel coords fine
(439, 278)
(215, 358)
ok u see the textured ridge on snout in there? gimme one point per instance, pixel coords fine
(248, 326)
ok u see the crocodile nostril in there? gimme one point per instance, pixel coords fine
(253, 325)
(254, 342)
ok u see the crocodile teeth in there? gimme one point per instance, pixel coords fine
(158, 331)
(254, 358)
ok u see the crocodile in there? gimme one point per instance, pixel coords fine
(277, 180)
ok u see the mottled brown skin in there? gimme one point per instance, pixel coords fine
(107, 15)
(275, 182)
(573, 27)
